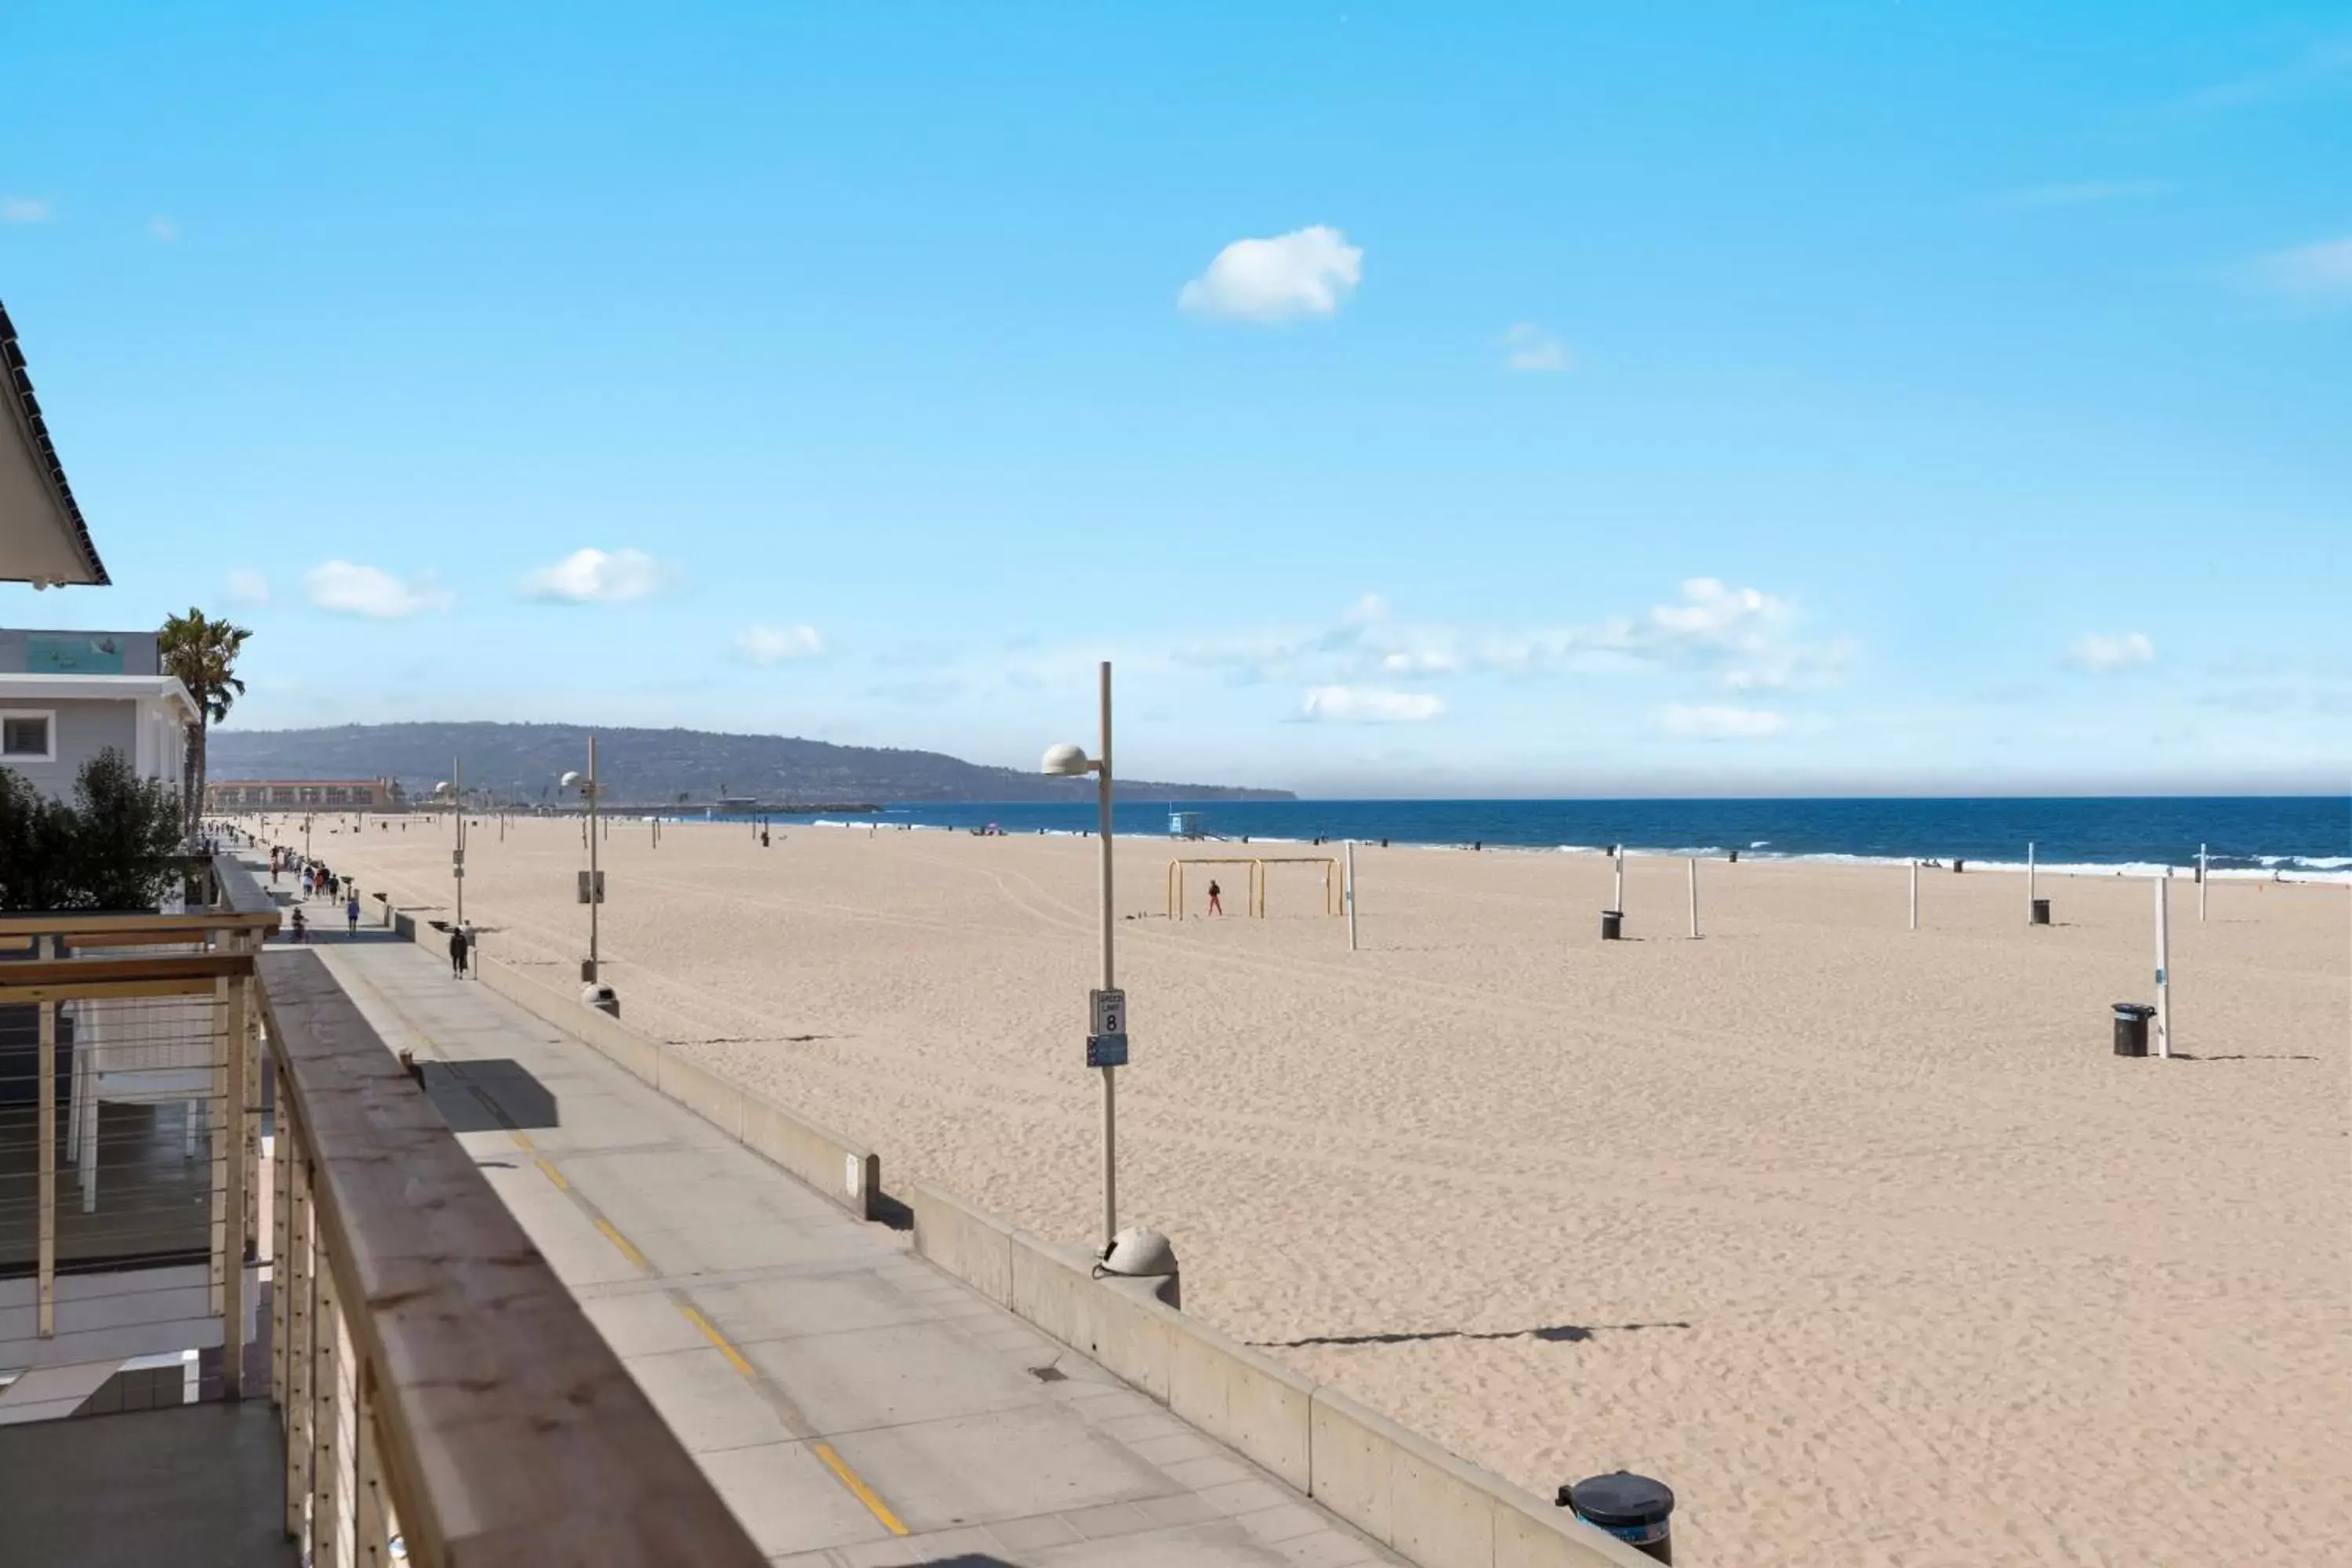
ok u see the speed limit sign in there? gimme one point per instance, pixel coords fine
(1109, 1012)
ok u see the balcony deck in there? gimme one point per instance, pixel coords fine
(199, 1487)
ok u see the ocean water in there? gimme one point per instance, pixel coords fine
(2302, 836)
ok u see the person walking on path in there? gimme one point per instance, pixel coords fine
(300, 929)
(352, 911)
(458, 946)
(1216, 900)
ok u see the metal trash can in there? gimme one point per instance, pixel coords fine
(1636, 1510)
(1959, 866)
(2131, 1028)
(1612, 925)
(2042, 911)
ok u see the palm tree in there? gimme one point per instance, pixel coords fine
(203, 652)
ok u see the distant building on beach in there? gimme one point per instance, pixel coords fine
(305, 794)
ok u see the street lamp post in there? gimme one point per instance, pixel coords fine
(1071, 762)
(457, 861)
(590, 971)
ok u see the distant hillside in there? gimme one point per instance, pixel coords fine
(643, 766)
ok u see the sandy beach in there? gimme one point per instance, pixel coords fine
(1861, 1238)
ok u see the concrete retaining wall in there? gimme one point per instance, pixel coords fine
(1432, 1506)
(1403, 1491)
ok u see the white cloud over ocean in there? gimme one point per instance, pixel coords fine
(598, 576)
(1720, 723)
(344, 588)
(1528, 349)
(1306, 272)
(765, 645)
(1371, 705)
(2100, 653)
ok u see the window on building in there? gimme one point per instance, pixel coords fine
(30, 736)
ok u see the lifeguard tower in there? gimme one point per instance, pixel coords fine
(1184, 824)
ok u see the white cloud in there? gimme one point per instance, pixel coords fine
(1747, 638)
(2321, 271)
(1713, 723)
(24, 209)
(2104, 655)
(1748, 633)
(1371, 705)
(164, 229)
(598, 576)
(778, 645)
(344, 589)
(247, 587)
(1306, 272)
(1527, 347)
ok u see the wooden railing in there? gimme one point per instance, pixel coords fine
(436, 1383)
(164, 999)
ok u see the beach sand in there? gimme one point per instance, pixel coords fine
(1862, 1240)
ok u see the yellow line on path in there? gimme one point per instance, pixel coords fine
(858, 1489)
(547, 1168)
(617, 1239)
(521, 1141)
(734, 1357)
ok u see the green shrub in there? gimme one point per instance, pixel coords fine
(116, 846)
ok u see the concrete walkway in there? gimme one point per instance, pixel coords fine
(851, 1404)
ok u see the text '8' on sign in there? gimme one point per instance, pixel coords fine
(1109, 1012)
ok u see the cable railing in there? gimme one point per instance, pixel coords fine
(437, 1386)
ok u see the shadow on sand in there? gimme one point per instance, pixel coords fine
(1558, 1334)
(2247, 1057)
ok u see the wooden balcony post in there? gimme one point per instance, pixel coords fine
(326, 1404)
(229, 1150)
(44, 1131)
(281, 1166)
(294, 1279)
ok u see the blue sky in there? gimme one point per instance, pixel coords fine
(1409, 399)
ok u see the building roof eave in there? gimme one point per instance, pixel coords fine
(74, 558)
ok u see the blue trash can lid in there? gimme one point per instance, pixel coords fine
(2134, 1010)
(1620, 1500)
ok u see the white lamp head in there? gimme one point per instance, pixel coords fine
(441, 788)
(1066, 761)
(570, 780)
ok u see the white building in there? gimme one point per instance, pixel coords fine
(65, 696)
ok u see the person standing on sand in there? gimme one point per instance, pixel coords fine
(457, 946)
(1216, 900)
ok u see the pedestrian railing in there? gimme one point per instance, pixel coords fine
(437, 1385)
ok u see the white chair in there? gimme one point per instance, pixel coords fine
(143, 1051)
